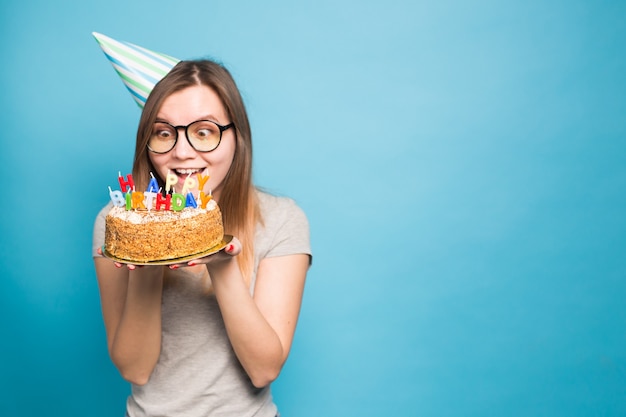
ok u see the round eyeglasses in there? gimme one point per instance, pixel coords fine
(202, 135)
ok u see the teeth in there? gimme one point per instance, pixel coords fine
(186, 171)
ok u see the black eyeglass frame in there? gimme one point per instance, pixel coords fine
(221, 128)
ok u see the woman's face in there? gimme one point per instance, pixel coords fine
(180, 109)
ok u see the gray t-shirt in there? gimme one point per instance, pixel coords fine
(197, 373)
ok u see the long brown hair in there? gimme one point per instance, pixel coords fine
(237, 200)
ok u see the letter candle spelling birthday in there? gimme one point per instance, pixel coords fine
(189, 183)
(153, 199)
(153, 186)
(170, 181)
(126, 184)
(163, 203)
(117, 197)
(202, 179)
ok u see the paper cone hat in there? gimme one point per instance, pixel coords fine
(139, 68)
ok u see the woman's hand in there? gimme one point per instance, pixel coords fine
(232, 249)
(119, 264)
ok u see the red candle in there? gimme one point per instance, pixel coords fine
(163, 203)
(129, 183)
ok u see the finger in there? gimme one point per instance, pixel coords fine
(231, 249)
(200, 261)
(234, 247)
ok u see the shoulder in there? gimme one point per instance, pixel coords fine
(279, 210)
(273, 203)
(284, 227)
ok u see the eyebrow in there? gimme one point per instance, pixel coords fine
(208, 117)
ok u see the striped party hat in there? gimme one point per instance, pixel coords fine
(139, 68)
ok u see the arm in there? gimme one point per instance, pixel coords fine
(131, 307)
(261, 328)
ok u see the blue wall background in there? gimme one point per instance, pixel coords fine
(463, 166)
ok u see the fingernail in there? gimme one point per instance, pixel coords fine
(173, 266)
(230, 248)
(191, 264)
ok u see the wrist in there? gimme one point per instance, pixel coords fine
(219, 271)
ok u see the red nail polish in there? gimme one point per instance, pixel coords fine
(191, 264)
(230, 248)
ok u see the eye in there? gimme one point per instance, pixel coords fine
(204, 130)
(202, 133)
(163, 131)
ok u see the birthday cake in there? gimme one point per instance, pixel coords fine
(148, 226)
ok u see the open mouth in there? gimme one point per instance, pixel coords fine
(185, 172)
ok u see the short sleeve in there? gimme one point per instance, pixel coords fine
(98, 230)
(285, 228)
(292, 236)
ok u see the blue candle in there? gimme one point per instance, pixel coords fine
(191, 201)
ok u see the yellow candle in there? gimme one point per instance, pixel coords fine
(202, 179)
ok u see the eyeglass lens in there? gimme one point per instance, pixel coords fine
(203, 135)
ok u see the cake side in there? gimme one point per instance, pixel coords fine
(144, 236)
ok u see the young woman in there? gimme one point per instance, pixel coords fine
(206, 338)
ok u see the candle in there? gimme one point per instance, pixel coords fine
(191, 201)
(129, 201)
(170, 181)
(205, 199)
(153, 186)
(117, 198)
(163, 203)
(202, 179)
(189, 183)
(137, 200)
(126, 184)
(178, 202)
(149, 199)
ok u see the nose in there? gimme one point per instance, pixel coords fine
(183, 149)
